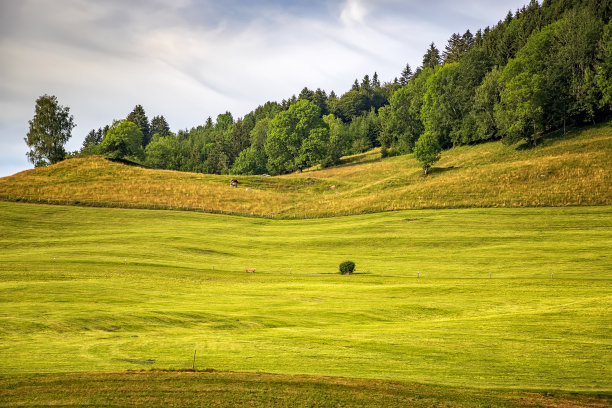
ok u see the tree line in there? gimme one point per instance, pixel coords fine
(544, 67)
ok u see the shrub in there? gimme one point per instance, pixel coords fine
(347, 267)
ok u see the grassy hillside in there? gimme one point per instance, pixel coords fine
(97, 289)
(564, 170)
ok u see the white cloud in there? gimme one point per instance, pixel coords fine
(353, 12)
(188, 60)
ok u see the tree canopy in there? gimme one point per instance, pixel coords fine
(49, 131)
(123, 140)
(427, 150)
(296, 138)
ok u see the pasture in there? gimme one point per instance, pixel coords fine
(504, 299)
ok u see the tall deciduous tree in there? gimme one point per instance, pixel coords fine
(259, 133)
(224, 121)
(250, 161)
(217, 161)
(520, 114)
(401, 120)
(49, 131)
(427, 150)
(123, 140)
(603, 76)
(443, 102)
(351, 104)
(164, 152)
(338, 140)
(295, 137)
(483, 110)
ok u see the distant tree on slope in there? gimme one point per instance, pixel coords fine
(49, 131)
(427, 150)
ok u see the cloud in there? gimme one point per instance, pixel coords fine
(191, 59)
(354, 12)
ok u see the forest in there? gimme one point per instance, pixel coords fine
(544, 67)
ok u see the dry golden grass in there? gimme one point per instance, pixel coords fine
(563, 171)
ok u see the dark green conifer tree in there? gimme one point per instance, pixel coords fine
(406, 75)
(431, 59)
(375, 81)
(139, 118)
(159, 126)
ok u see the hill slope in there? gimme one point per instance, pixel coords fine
(564, 170)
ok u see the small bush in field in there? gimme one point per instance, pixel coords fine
(347, 267)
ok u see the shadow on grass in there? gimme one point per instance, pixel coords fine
(127, 162)
(440, 170)
(556, 136)
(359, 160)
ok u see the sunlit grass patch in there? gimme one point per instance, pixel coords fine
(486, 298)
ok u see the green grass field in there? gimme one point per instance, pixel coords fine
(102, 289)
(457, 307)
(225, 389)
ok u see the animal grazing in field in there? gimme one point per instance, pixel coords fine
(249, 269)
(234, 183)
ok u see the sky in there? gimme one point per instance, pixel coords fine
(190, 59)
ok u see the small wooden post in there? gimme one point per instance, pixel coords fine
(194, 354)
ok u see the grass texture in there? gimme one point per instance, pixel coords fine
(565, 170)
(479, 298)
(222, 389)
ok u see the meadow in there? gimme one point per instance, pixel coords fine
(507, 298)
(487, 283)
(564, 170)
